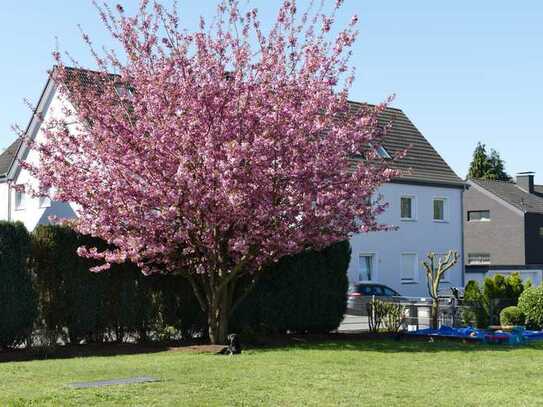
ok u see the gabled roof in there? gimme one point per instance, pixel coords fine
(8, 156)
(514, 195)
(422, 163)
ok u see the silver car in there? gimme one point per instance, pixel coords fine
(360, 294)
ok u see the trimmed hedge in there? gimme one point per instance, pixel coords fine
(301, 293)
(304, 293)
(18, 308)
(512, 316)
(531, 304)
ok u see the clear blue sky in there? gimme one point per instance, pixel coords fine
(462, 70)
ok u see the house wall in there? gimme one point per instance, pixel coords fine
(502, 237)
(4, 203)
(418, 236)
(31, 213)
(533, 228)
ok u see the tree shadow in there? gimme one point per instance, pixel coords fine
(388, 344)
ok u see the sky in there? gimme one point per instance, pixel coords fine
(463, 71)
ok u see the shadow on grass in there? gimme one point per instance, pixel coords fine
(362, 343)
(77, 351)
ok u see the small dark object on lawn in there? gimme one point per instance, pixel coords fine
(102, 383)
(234, 346)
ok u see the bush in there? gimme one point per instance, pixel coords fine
(303, 293)
(18, 307)
(475, 310)
(512, 316)
(498, 292)
(531, 304)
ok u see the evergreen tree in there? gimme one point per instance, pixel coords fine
(487, 166)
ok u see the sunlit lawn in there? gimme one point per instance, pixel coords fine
(382, 373)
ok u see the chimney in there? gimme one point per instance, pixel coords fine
(525, 181)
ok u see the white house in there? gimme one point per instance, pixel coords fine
(425, 203)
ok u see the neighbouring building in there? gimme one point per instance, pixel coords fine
(425, 203)
(503, 224)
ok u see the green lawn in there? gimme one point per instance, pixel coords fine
(382, 373)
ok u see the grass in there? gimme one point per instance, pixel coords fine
(380, 373)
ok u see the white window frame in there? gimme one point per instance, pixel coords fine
(445, 209)
(416, 276)
(479, 220)
(20, 200)
(374, 262)
(413, 217)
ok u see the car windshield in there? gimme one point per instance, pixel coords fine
(378, 290)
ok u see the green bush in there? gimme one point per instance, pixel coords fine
(483, 306)
(531, 304)
(512, 316)
(301, 293)
(475, 310)
(18, 308)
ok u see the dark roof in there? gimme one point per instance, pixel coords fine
(8, 156)
(514, 195)
(422, 163)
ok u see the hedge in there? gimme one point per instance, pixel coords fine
(302, 293)
(18, 307)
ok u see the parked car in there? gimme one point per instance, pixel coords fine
(361, 293)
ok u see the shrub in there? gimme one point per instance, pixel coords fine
(18, 307)
(475, 310)
(498, 292)
(306, 292)
(394, 317)
(512, 316)
(376, 314)
(531, 304)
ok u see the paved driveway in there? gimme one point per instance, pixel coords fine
(353, 323)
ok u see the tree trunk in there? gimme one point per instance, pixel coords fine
(435, 313)
(218, 316)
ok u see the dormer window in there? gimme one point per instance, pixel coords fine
(381, 152)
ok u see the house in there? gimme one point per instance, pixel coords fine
(425, 202)
(503, 226)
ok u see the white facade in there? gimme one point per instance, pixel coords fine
(16, 206)
(395, 257)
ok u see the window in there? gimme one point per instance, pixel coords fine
(45, 202)
(478, 216)
(407, 207)
(365, 267)
(478, 258)
(440, 207)
(390, 293)
(20, 198)
(540, 231)
(381, 152)
(408, 273)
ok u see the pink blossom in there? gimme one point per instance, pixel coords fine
(209, 174)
